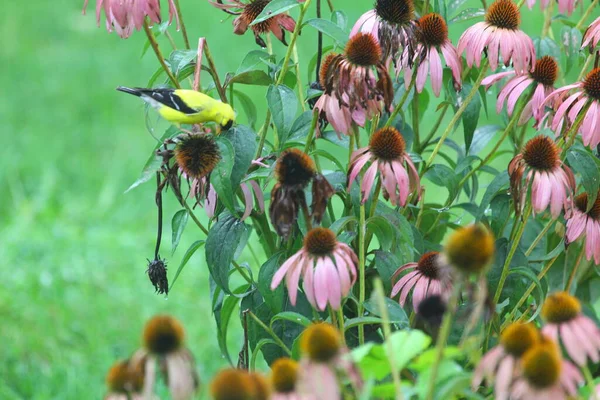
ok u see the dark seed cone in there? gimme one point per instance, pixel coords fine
(430, 314)
(157, 272)
(591, 84)
(283, 211)
(321, 193)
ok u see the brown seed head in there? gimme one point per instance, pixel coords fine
(434, 29)
(470, 249)
(324, 72)
(363, 50)
(262, 390)
(581, 202)
(284, 374)
(591, 84)
(399, 12)
(387, 144)
(320, 241)
(542, 364)
(517, 338)
(321, 342)
(233, 384)
(163, 334)
(125, 378)
(197, 155)
(253, 10)
(294, 167)
(504, 14)
(546, 71)
(541, 153)
(428, 266)
(560, 307)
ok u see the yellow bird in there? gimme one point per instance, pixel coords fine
(181, 106)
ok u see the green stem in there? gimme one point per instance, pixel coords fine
(341, 324)
(361, 272)
(569, 137)
(586, 14)
(458, 114)
(539, 237)
(415, 121)
(311, 132)
(271, 333)
(214, 74)
(589, 379)
(296, 60)
(435, 127)
(186, 40)
(159, 55)
(575, 269)
(586, 65)
(547, 19)
(398, 108)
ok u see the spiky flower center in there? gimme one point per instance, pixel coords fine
(541, 154)
(320, 241)
(363, 50)
(470, 249)
(197, 155)
(433, 29)
(517, 338)
(262, 390)
(163, 334)
(253, 10)
(398, 12)
(321, 342)
(504, 14)
(591, 84)
(560, 307)
(324, 73)
(581, 202)
(294, 167)
(284, 374)
(387, 144)
(124, 378)
(233, 384)
(428, 265)
(542, 365)
(546, 71)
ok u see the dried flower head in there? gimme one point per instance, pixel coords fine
(157, 272)
(470, 249)
(124, 377)
(197, 155)
(163, 334)
(583, 219)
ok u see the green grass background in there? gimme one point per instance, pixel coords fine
(73, 247)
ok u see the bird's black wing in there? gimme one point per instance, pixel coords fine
(166, 97)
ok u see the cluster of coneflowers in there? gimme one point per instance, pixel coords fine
(357, 83)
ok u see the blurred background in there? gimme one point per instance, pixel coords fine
(73, 246)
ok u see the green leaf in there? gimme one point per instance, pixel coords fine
(301, 126)
(186, 257)
(384, 230)
(446, 371)
(583, 162)
(180, 58)
(454, 5)
(291, 316)
(222, 316)
(341, 223)
(441, 175)
(330, 29)
(220, 178)
(275, 7)
(283, 104)
(339, 140)
(340, 19)
(249, 107)
(499, 182)
(571, 43)
(261, 343)
(243, 140)
(177, 226)
(395, 313)
(253, 60)
(546, 47)
(256, 78)
(528, 273)
(470, 116)
(467, 14)
(273, 298)
(481, 138)
(386, 264)
(222, 242)
(354, 322)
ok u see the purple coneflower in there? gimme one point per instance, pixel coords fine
(587, 94)
(232, 383)
(564, 6)
(433, 40)
(248, 12)
(469, 249)
(284, 378)
(500, 364)
(426, 278)
(581, 222)
(591, 37)
(125, 381)
(552, 182)
(250, 190)
(499, 34)
(392, 23)
(125, 15)
(328, 270)
(566, 324)
(543, 77)
(387, 154)
(352, 93)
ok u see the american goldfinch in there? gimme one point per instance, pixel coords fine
(181, 106)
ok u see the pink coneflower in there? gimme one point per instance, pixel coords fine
(566, 324)
(325, 363)
(233, 384)
(125, 381)
(387, 154)
(433, 40)
(587, 94)
(591, 37)
(499, 34)
(125, 15)
(251, 192)
(564, 6)
(328, 270)
(581, 222)
(352, 92)
(545, 375)
(500, 364)
(284, 379)
(392, 23)
(248, 12)
(543, 77)
(426, 278)
(552, 182)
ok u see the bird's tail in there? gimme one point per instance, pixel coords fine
(134, 91)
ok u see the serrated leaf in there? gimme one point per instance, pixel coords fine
(330, 29)
(177, 226)
(583, 162)
(275, 7)
(283, 104)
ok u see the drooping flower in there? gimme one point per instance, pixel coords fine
(545, 375)
(591, 37)
(470, 249)
(567, 325)
(252, 195)
(500, 364)
(356, 85)
(325, 364)
(586, 94)
(327, 267)
(433, 40)
(238, 384)
(430, 313)
(284, 377)
(248, 12)
(426, 278)
(539, 164)
(294, 171)
(392, 23)
(387, 154)
(543, 77)
(125, 15)
(498, 35)
(196, 155)
(564, 6)
(163, 338)
(586, 223)
(125, 381)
